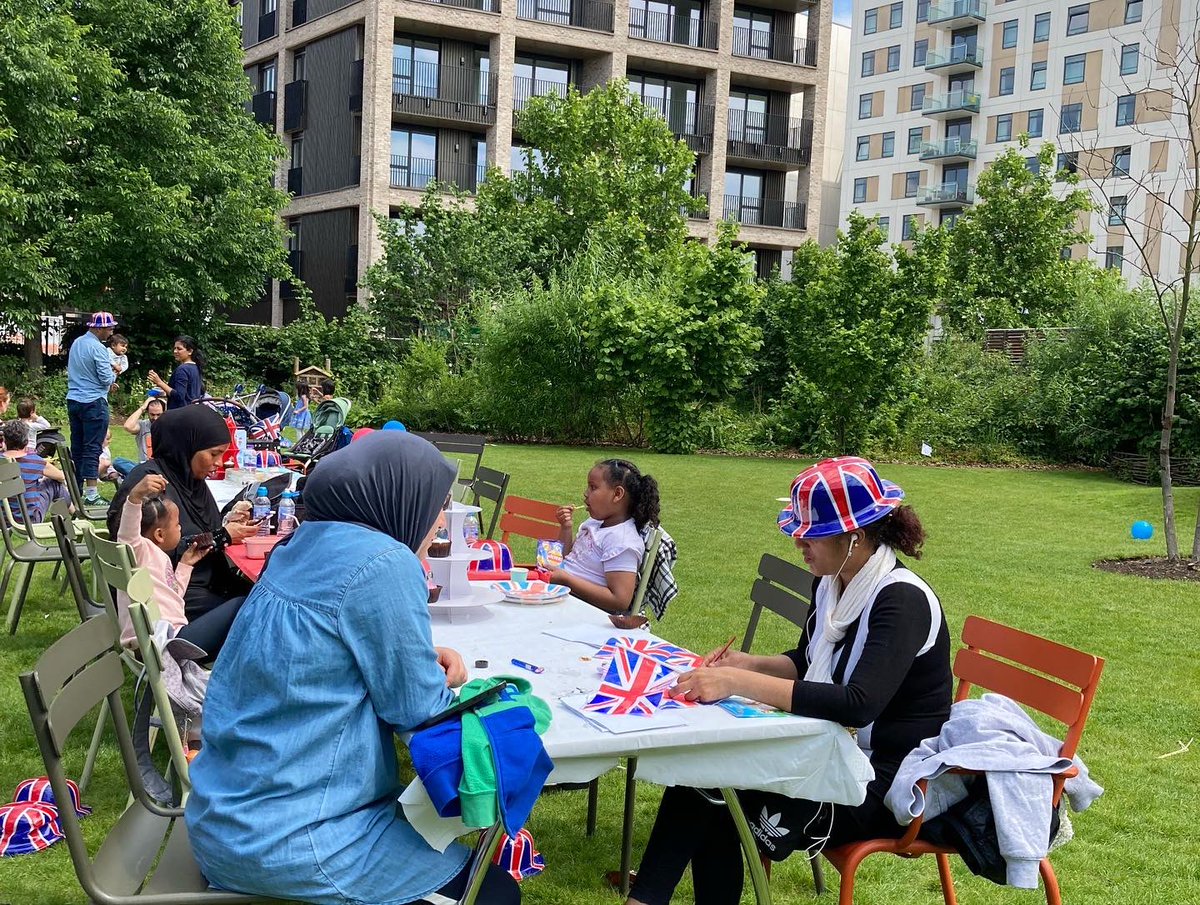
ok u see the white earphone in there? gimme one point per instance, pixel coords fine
(853, 543)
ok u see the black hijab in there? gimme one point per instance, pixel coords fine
(391, 481)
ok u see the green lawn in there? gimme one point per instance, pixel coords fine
(1014, 546)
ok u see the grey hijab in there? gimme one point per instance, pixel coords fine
(391, 481)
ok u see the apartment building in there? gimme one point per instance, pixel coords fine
(374, 99)
(940, 88)
(835, 133)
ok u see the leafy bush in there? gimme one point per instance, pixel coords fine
(49, 390)
(425, 395)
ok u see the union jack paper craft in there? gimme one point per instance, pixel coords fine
(677, 658)
(634, 685)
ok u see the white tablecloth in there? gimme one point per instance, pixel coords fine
(225, 490)
(796, 756)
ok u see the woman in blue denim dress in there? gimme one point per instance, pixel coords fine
(294, 793)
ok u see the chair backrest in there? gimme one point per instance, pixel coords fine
(112, 559)
(68, 469)
(653, 542)
(529, 518)
(64, 533)
(1008, 661)
(466, 445)
(492, 485)
(781, 587)
(12, 494)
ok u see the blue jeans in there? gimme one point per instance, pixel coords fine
(89, 424)
(123, 466)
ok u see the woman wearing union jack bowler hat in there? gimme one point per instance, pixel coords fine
(874, 655)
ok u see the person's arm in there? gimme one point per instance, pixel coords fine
(104, 370)
(614, 597)
(39, 422)
(133, 423)
(54, 473)
(566, 527)
(130, 530)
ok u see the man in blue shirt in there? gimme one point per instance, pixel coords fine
(89, 377)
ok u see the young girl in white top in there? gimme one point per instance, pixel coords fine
(600, 563)
(150, 527)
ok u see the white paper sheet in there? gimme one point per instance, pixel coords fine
(619, 725)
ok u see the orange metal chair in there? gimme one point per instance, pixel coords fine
(529, 518)
(1066, 697)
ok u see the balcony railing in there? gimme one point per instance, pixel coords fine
(960, 56)
(525, 88)
(772, 45)
(954, 11)
(444, 92)
(262, 107)
(668, 29)
(954, 102)
(487, 6)
(594, 14)
(299, 12)
(946, 195)
(697, 215)
(766, 212)
(295, 104)
(295, 180)
(266, 26)
(949, 147)
(693, 123)
(418, 173)
(764, 136)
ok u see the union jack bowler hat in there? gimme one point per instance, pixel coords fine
(39, 790)
(28, 826)
(101, 319)
(836, 496)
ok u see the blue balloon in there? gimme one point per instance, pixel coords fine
(1142, 530)
(394, 426)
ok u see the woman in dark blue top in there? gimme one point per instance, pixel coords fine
(187, 382)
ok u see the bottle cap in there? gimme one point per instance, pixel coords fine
(262, 491)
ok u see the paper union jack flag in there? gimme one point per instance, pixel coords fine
(836, 496)
(675, 657)
(634, 685)
(267, 429)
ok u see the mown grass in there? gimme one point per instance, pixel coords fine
(1011, 545)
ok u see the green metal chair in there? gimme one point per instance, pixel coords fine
(491, 485)
(92, 513)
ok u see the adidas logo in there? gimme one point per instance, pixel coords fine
(770, 824)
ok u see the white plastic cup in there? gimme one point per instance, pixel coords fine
(518, 574)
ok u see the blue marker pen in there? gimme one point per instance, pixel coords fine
(534, 669)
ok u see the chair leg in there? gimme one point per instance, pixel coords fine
(89, 763)
(818, 873)
(847, 870)
(592, 807)
(1050, 881)
(627, 823)
(20, 589)
(943, 863)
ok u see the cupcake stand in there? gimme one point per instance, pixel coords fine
(459, 596)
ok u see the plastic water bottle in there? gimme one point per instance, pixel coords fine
(471, 528)
(286, 517)
(262, 510)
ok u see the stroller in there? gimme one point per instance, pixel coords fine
(328, 433)
(262, 415)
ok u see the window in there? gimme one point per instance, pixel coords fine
(884, 224)
(893, 58)
(889, 144)
(747, 187)
(652, 19)
(1037, 76)
(871, 22)
(1064, 254)
(298, 66)
(1034, 127)
(1068, 162)
(748, 115)
(866, 106)
(1034, 165)
(1070, 118)
(912, 183)
(676, 101)
(1129, 59)
(1133, 11)
(415, 67)
(1117, 206)
(1041, 28)
(1077, 20)
(1009, 35)
(896, 16)
(266, 77)
(297, 160)
(915, 137)
(269, 6)
(535, 76)
(1120, 165)
(920, 52)
(1074, 68)
(860, 190)
(922, 10)
(1004, 127)
(1008, 79)
(948, 218)
(1114, 257)
(908, 226)
(868, 63)
(862, 147)
(918, 97)
(1126, 107)
(414, 158)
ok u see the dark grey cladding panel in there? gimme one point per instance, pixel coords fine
(325, 239)
(330, 135)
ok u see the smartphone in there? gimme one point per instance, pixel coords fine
(476, 700)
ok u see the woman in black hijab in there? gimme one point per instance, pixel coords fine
(187, 444)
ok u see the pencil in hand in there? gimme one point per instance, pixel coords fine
(713, 658)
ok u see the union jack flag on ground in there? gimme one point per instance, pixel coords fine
(672, 655)
(634, 685)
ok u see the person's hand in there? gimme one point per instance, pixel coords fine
(706, 684)
(452, 664)
(158, 381)
(628, 621)
(149, 486)
(193, 554)
(732, 658)
(239, 513)
(239, 531)
(565, 516)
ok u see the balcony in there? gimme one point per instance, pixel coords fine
(596, 15)
(667, 29)
(952, 104)
(949, 194)
(299, 12)
(957, 13)
(691, 123)
(266, 26)
(417, 173)
(766, 212)
(959, 58)
(295, 180)
(262, 107)
(526, 88)
(771, 45)
(486, 6)
(434, 91)
(295, 104)
(760, 137)
(697, 215)
(949, 150)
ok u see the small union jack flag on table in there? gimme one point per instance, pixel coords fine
(634, 685)
(671, 655)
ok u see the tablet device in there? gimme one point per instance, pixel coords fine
(476, 700)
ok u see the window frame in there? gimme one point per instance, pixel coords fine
(1127, 104)
(893, 52)
(867, 71)
(1075, 14)
(862, 148)
(1039, 67)
(1134, 50)
(1041, 122)
(1041, 28)
(1075, 61)
(888, 145)
(1119, 152)
(907, 224)
(917, 101)
(885, 224)
(1118, 210)
(896, 15)
(1006, 41)
(1131, 5)
(1077, 111)
(917, 133)
(869, 97)
(923, 47)
(1114, 257)
(1005, 119)
(923, 10)
(859, 183)
(1008, 74)
(1067, 162)
(913, 177)
(871, 21)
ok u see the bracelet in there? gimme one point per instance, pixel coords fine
(221, 539)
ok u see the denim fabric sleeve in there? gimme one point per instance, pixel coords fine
(384, 622)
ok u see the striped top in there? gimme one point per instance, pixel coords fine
(33, 469)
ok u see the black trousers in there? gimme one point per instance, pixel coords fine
(209, 629)
(499, 888)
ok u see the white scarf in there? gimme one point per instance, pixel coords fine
(840, 610)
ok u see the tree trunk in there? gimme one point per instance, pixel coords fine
(33, 349)
(1164, 452)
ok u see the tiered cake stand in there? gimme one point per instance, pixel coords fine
(458, 595)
